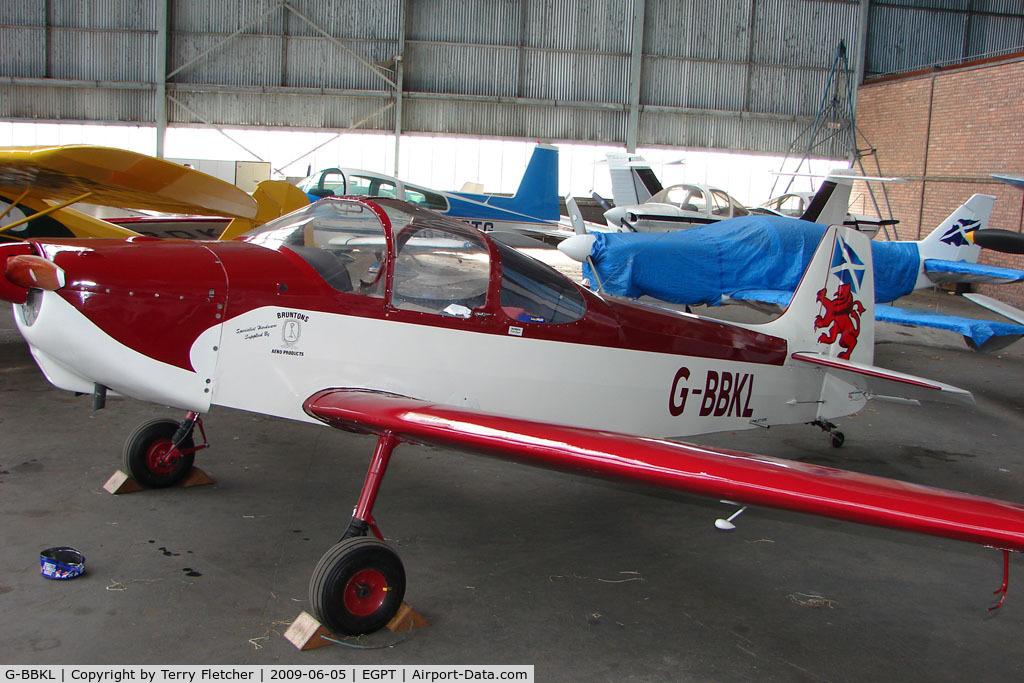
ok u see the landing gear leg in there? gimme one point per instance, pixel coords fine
(161, 452)
(837, 436)
(358, 585)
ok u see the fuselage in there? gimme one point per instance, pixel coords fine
(259, 325)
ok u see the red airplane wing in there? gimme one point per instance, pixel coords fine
(719, 473)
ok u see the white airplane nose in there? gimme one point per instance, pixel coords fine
(577, 247)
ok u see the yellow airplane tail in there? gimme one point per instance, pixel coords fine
(274, 198)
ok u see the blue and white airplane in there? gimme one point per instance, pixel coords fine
(533, 209)
(758, 260)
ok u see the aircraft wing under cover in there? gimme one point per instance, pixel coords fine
(942, 272)
(714, 472)
(775, 297)
(977, 332)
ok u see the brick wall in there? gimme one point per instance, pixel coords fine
(945, 132)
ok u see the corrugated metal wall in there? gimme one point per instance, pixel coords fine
(908, 35)
(730, 74)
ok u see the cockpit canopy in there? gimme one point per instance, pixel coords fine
(418, 260)
(707, 201)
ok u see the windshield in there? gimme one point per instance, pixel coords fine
(343, 241)
(438, 271)
(686, 197)
(533, 292)
(440, 266)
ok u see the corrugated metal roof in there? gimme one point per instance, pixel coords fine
(745, 74)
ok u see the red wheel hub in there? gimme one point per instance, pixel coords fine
(365, 592)
(162, 457)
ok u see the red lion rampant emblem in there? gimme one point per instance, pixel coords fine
(842, 318)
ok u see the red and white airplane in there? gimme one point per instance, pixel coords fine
(380, 317)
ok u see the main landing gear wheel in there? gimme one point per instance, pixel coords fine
(357, 586)
(151, 458)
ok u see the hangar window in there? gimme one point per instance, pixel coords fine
(533, 292)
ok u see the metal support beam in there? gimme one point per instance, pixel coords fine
(355, 125)
(636, 59)
(216, 128)
(161, 80)
(374, 69)
(225, 41)
(399, 62)
(861, 53)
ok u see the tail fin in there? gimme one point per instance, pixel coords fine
(537, 195)
(832, 311)
(274, 198)
(951, 241)
(633, 181)
(832, 200)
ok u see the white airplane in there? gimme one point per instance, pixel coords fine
(643, 205)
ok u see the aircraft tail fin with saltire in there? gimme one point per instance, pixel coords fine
(951, 240)
(832, 310)
(830, 324)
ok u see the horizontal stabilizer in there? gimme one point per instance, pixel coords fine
(943, 272)
(1003, 309)
(888, 383)
(713, 472)
(774, 297)
(981, 335)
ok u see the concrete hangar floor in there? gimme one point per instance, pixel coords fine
(585, 579)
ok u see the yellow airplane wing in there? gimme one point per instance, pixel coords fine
(116, 177)
(28, 219)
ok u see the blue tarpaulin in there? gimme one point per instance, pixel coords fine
(978, 331)
(699, 265)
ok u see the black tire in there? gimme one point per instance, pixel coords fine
(144, 453)
(357, 586)
(837, 439)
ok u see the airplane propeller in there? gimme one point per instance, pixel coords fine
(605, 204)
(996, 239)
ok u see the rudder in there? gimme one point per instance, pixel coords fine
(832, 309)
(537, 195)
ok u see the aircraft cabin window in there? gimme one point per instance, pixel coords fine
(335, 182)
(532, 292)
(343, 241)
(720, 205)
(686, 197)
(371, 187)
(324, 184)
(439, 272)
(790, 205)
(424, 197)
